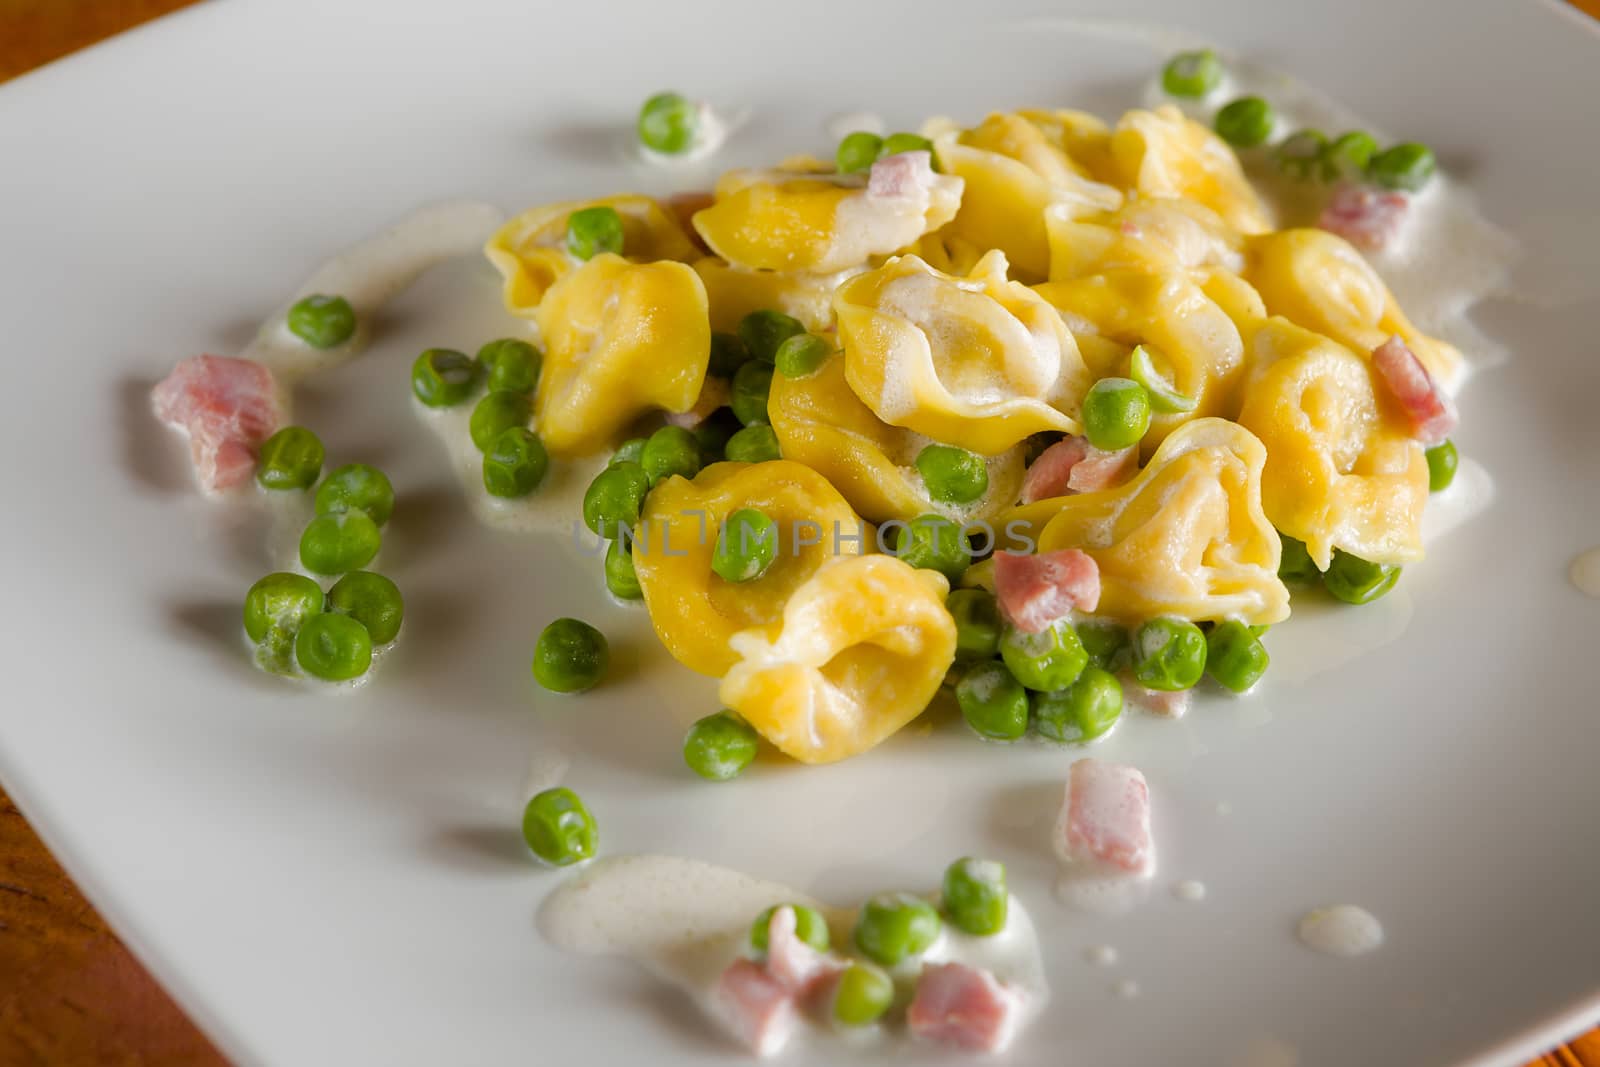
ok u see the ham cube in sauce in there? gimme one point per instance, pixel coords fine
(1073, 465)
(1368, 218)
(1036, 590)
(228, 407)
(1105, 821)
(964, 1006)
(1429, 411)
(794, 964)
(902, 175)
(759, 1009)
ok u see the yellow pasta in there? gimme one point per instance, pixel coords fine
(1161, 153)
(980, 361)
(620, 339)
(861, 648)
(734, 292)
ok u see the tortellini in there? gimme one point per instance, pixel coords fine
(1187, 536)
(1013, 174)
(1338, 474)
(1318, 280)
(694, 611)
(620, 339)
(776, 220)
(821, 423)
(859, 651)
(735, 292)
(1161, 153)
(1163, 235)
(1196, 341)
(980, 362)
(531, 253)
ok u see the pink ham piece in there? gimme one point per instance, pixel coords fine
(903, 174)
(791, 962)
(228, 407)
(1431, 414)
(1036, 590)
(964, 1006)
(1105, 821)
(1368, 218)
(1073, 465)
(760, 1010)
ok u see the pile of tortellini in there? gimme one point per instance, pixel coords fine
(975, 308)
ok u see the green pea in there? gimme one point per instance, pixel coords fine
(621, 578)
(1192, 75)
(1304, 155)
(1169, 654)
(281, 602)
(754, 444)
(975, 898)
(630, 451)
(1407, 166)
(496, 413)
(668, 123)
(1350, 153)
(670, 450)
(339, 541)
(513, 365)
(593, 230)
(896, 143)
(935, 543)
(801, 355)
(1358, 581)
(994, 703)
(357, 487)
(862, 995)
(751, 386)
(558, 827)
(290, 459)
(570, 656)
(728, 354)
(1048, 660)
(858, 151)
(763, 332)
(715, 433)
(719, 747)
(1295, 566)
(896, 926)
(322, 321)
(1246, 122)
(333, 647)
(1164, 397)
(1083, 711)
(442, 377)
(1116, 413)
(1105, 642)
(809, 925)
(746, 546)
(372, 600)
(978, 625)
(615, 498)
(1235, 658)
(515, 464)
(1442, 463)
(953, 475)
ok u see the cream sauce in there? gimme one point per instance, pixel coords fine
(1342, 930)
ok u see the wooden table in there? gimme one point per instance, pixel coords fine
(70, 992)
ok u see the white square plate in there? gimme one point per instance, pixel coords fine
(339, 879)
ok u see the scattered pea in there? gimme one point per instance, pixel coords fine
(858, 151)
(801, 355)
(668, 123)
(1169, 654)
(975, 898)
(896, 926)
(809, 926)
(716, 433)
(1358, 581)
(513, 365)
(339, 541)
(496, 413)
(1083, 711)
(1105, 642)
(994, 703)
(570, 656)
(1350, 153)
(719, 747)
(593, 230)
(615, 498)
(1116, 413)
(1407, 166)
(1304, 155)
(1246, 122)
(952, 475)
(1442, 463)
(751, 386)
(935, 543)
(1235, 658)
(630, 451)
(1045, 661)
(1295, 565)
(862, 995)
(322, 321)
(333, 647)
(372, 600)
(1163, 396)
(762, 332)
(621, 578)
(746, 546)
(728, 354)
(558, 827)
(442, 377)
(281, 602)
(978, 624)
(753, 444)
(515, 464)
(670, 450)
(290, 459)
(896, 143)
(357, 487)
(1192, 75)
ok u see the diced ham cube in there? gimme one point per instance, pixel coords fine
(1105, 821)
(1431, 414)
(1073, 465)
(956, 1004)
(903, 174)
(1036, 590)
(228, 407)
(713, 395)
(759, 1009)
(1368, 218)
(1101, 470)
(1170, 704)
(790, 961)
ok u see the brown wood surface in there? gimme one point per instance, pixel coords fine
(70, 992)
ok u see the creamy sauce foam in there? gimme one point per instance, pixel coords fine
(1342, 930)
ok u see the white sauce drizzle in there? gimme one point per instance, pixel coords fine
(1585, 572)
(685, 921)
(1471, 493)
(1342, 930)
